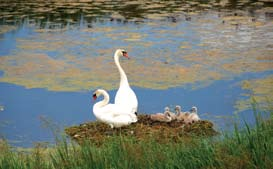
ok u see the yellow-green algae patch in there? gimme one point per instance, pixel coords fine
(64, 62)
(261, 90)
(73, 73)
(6, 28)
(42, 71)
(70, 73)
(163, 132)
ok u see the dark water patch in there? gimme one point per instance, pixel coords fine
(63, 12)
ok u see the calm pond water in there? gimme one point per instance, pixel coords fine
(215, 55)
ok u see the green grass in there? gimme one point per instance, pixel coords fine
(250, 147)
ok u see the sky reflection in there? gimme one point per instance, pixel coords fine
(214, 55)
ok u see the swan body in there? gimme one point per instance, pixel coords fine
(161, 117)
(184, 116)
(167, 116)
(181, 116)
(125, 96)
(187, 117)
(177, 110)
(171, 114)
(111, 114)
(193, 114)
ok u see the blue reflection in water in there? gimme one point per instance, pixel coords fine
(20, 120)
(1, 73)
(7, 43)
(8, 39)
(24, 107)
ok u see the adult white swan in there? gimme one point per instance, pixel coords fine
(111, 114)
(125, 96)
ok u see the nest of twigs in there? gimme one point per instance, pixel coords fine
(144, 128)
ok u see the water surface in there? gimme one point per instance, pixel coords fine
(214, 55)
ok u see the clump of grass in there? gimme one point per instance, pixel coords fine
(250, 147)
(11, 158)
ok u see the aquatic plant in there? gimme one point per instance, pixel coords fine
(249, 147)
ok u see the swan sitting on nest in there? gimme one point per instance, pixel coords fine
(171, 114)
(162, 117)
(193, 114)
(181, 116)
(112, 114)
(187, 117)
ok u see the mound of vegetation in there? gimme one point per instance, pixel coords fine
(145, 128)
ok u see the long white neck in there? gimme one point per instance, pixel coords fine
(123, 77)
(105, 101)
(177, 111)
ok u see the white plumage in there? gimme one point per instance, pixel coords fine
(125, 96)
(112, 114)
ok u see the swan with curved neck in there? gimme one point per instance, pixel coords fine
(194, 116)
(181, 116)
(125, 96)
(188, 117)
(111, 114)
(171, 114)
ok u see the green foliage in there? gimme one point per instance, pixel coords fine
(250, 147)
